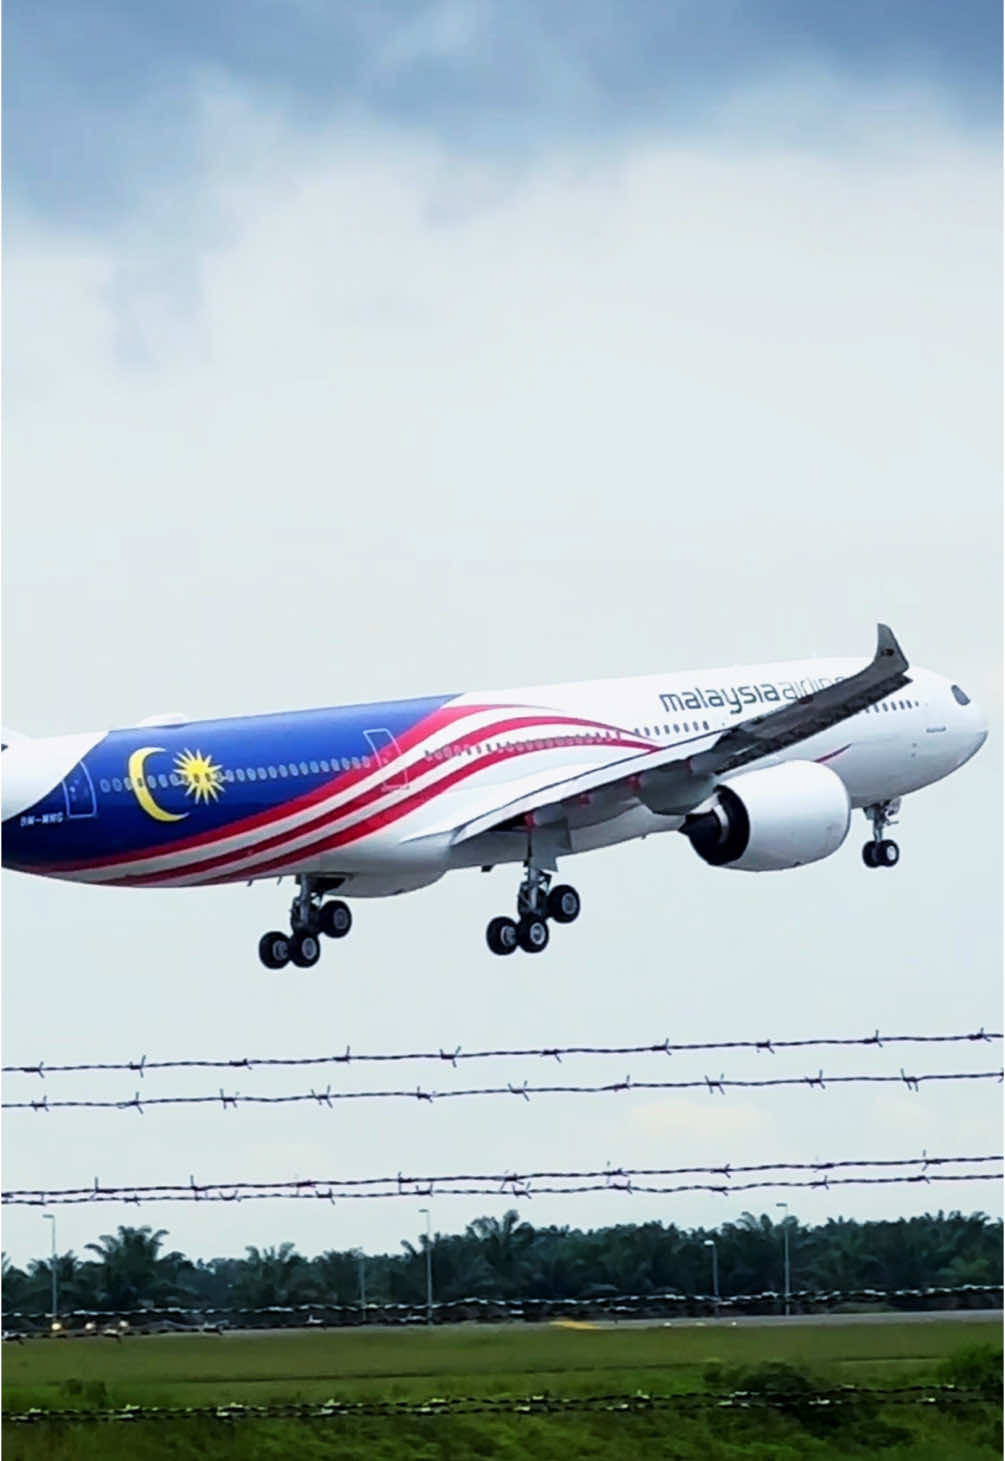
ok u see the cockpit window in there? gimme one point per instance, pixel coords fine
(959, 696)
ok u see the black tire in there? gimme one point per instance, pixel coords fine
(274, 949)
(869, 854)
(563, 904)
(532, 934)
(501, 936)
(305, 949)
(887, 854)
(335, 919)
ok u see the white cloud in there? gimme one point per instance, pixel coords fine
(349, 416)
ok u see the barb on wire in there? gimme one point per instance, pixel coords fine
(664, 1046)
(525, 1090)
(556, 1183)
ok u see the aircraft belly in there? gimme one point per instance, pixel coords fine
(639, 822)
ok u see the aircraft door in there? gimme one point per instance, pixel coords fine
(78, 791)
(388, 753)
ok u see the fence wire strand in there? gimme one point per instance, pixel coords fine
(333, 1190)
(847, 1397)
(661, 1301)
(457, 1054)
(714, 1085)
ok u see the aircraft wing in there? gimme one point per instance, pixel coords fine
(808, 716)
(668, 783)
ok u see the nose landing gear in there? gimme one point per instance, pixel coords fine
(881, 851)
(309, 919)
(536, 903)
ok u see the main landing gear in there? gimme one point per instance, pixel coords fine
(310, 918)
(536, 903)
(881, 851)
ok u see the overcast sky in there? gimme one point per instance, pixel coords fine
(356, 352)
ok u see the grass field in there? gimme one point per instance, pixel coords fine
(257, 1368)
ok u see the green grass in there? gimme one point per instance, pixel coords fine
(255, 1368)
(182, 1369)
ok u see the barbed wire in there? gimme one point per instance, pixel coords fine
(665, 1046)
(847, 1396)
(535, 1308)
(328, 1190)
(327, 1097)
(506, 1177)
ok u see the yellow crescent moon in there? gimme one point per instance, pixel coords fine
(138, 782)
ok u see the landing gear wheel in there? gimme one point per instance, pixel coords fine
(305, 949)
(532, 933)
(869, 854)
(501, 936)
(563, 904)
(887, 853)
(274, 950)
(335, 919)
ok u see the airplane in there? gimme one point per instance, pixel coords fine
(758, 767)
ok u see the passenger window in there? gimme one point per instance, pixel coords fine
(325, 766)
(239, 773)
(283, 771)
(106, 785)
(355, 763)
(315, 767)
(345, 763)
(251, 773)
(117, 783)
(262, 773)
(162, 780)
(676, 730)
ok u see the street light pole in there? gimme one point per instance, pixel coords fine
(710, 1243)
(51, 1218)
(429, 1269)
(785, 1240)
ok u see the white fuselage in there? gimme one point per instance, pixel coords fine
(442, 799)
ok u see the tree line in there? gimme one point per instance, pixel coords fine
(508, 1258)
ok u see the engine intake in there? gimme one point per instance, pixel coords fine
(778, 817)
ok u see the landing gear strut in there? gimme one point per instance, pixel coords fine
(536, 902)
(881, 851)
(309, 919)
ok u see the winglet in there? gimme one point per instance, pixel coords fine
(888, 648)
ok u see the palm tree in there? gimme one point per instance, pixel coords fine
(131, 1272)
(15, 1287)
(275, 1277)
(504, 1243)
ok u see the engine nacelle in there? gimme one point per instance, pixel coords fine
(778, 817)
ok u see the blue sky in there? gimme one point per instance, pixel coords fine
(97, 96)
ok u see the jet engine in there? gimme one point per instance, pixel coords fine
(777, 817)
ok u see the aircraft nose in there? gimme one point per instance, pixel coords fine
(973, 735)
